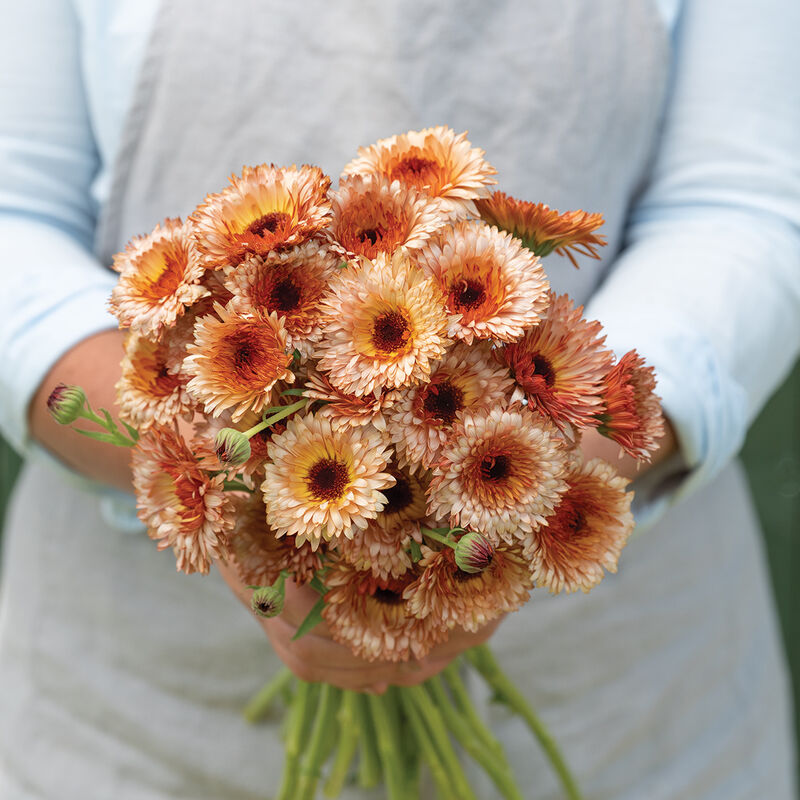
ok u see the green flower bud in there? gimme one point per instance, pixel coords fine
(232, 447)
(267, 601)
(473, 553)
(66, 403)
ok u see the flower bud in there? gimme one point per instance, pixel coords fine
(66, 403)
(473, 552)
(267, 601)
(232, 447)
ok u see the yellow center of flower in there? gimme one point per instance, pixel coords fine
(328, 479)
(160, 271)
(390, 332)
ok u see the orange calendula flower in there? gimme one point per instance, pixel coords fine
(632, 410)
(321, 481)
(469, 600)
(586, 533)
(289, 283)
(182, 506)
(235, 360)
(372, 215)
(436, 161)
(384, 326)
(258, 555)
(267, 207)
(560, 364)
(495, 288)
(381, 549)
(501, 473)
(370, 616)
(542, 229)
(421, 419)
(159, 276)
(148, 392)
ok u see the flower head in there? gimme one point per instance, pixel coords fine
(632, 410)
(384, 326)
(543, 229)
(381, 549)
(232, 447)
(159, 277)
(586, 533)
(266, 208)
(267, 601)
(473, 552)
(436, 161)
(500, 473)
(65, 403)
(495, 288)
(321, 481)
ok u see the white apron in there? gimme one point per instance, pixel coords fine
(120, 680)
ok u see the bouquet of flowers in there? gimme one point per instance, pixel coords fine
(374, 391)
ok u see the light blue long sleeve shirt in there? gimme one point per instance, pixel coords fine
(707, 286)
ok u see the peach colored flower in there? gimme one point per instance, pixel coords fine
(380, 549)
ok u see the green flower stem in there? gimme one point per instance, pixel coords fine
(301, 714)
(464, 704)
(435, 724)
(409, 746)
(498, 769)
(388, 746)
(346, 748)
(427, 748)
(431, 534)
(276, 417)
(235, 486)
(482, 659)
(114, 435)
(258, 706)
(369, 765)
(324, 722)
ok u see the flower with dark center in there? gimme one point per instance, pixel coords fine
(390, 332)
(328, 479)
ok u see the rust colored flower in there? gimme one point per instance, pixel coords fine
(159, 276)
(149, 392)
(182, 506)
(560, 364)
(268, 207)
(321, 481)
(258, 555)
(421, 419)
(235, 360)
(384, 326)
(381, 549)
(586, 534)
(289, 283)
(452, 597)
(632, 410)
(495, 288)
(543, 229)
(501, 473)
(370, 616)
(372, 215)
(436, 161)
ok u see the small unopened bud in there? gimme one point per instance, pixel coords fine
(267, 601)
(66, 403)
(232, 447)
(473, 552)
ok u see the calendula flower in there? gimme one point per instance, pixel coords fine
(421, 419)
(348, 409)
(500, 473)
(436, 161)
(586, 533)
(381, 549)
(159, 276)
(182, 506)
(266, 208)
(543, 229)
(631, 415)
(65, 403)
(235, 360)
(405, 498)
(148, 392)
(258, 555)
(452, 597)
(323, 480)
(289, 283)
(372, 215)
(370, 616)
(560, 364)
(384, 326)
(495, 288)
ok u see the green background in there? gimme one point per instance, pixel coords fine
(772, 458)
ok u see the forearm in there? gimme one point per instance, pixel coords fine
(93, 364)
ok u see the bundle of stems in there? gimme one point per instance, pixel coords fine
(334, 736)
